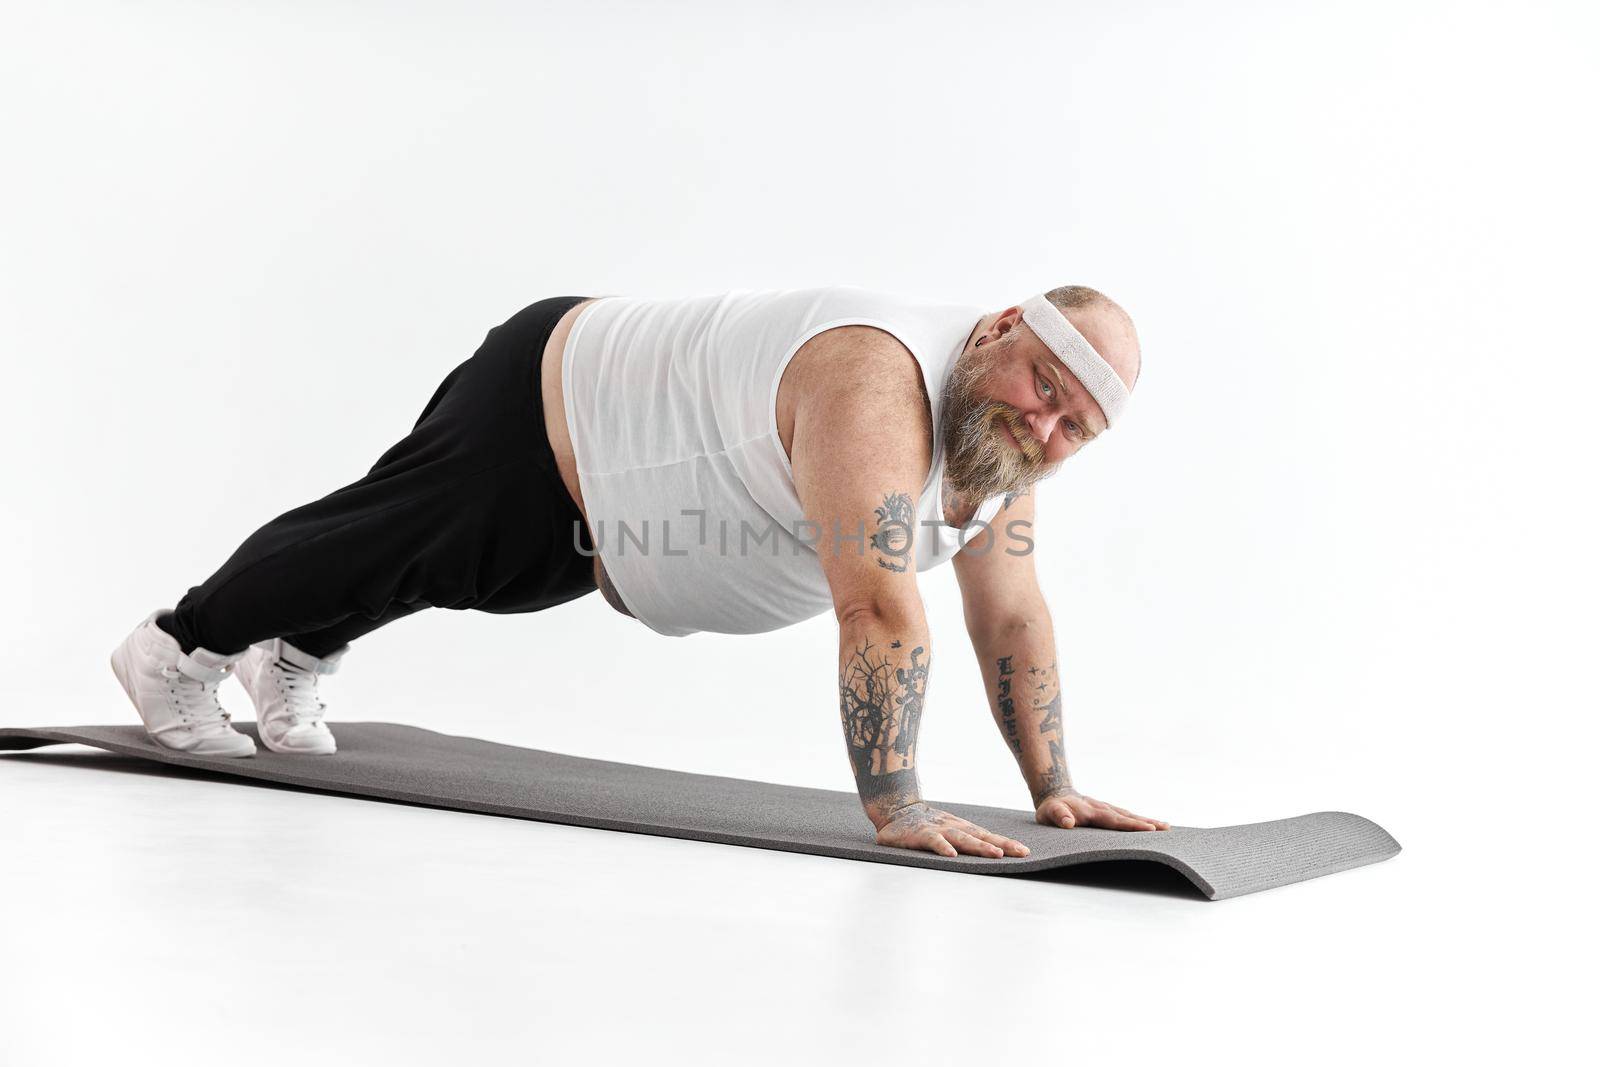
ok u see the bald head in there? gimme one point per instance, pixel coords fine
(1104, 324)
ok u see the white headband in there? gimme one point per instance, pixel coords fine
(1063, 338)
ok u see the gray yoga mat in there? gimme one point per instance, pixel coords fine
(416, 766)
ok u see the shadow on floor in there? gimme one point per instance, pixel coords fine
(1130, 876)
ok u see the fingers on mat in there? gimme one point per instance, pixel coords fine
(972, 846)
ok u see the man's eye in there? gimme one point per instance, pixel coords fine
(1049, 390)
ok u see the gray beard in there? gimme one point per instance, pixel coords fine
(979, 462)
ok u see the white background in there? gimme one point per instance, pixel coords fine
(1339, 557)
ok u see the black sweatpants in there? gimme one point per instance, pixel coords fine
(467, 511)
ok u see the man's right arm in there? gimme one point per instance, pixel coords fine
(861, 452)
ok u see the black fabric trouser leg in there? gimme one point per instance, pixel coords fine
(467, 511)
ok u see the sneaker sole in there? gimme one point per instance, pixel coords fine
(287, 751)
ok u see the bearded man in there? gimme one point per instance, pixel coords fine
(733, 463)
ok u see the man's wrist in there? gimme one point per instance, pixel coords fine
(884, 796)
(881, 817)
(1052, 793)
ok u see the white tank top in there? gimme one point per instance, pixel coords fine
(672, 407)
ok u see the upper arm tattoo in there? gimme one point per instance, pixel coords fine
(892, 537)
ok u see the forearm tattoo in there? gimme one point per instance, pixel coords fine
(1046, 769)
(1048, 700)
(1008, 707)
(892, 538)
(880, 705)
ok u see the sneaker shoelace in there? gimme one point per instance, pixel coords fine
(299, 689)
(199, 709)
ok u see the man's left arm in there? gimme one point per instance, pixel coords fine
(1013, 638)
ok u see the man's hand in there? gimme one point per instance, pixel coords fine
(920, 826)
(1069, 808)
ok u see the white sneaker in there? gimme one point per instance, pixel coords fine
(282, 683)
(176, 694)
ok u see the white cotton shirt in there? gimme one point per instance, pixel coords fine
(672, 409)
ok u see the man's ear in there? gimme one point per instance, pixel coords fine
(1008, 320)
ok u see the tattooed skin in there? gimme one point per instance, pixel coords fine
(915, 815)
(1047, 698)
(1008, 707)
(880, 706)
(892, 539)
(1040, 698)
(1012, 496)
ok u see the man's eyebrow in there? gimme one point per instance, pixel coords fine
(1054, 363)
(1083, 423)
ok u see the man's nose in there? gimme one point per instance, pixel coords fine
(1042, 426)
(1057, 447)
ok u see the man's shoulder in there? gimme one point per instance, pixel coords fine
(856, 376)
(857, 360)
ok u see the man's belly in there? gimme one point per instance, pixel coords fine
(555, 424)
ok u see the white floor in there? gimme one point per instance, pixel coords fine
(154, 916)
